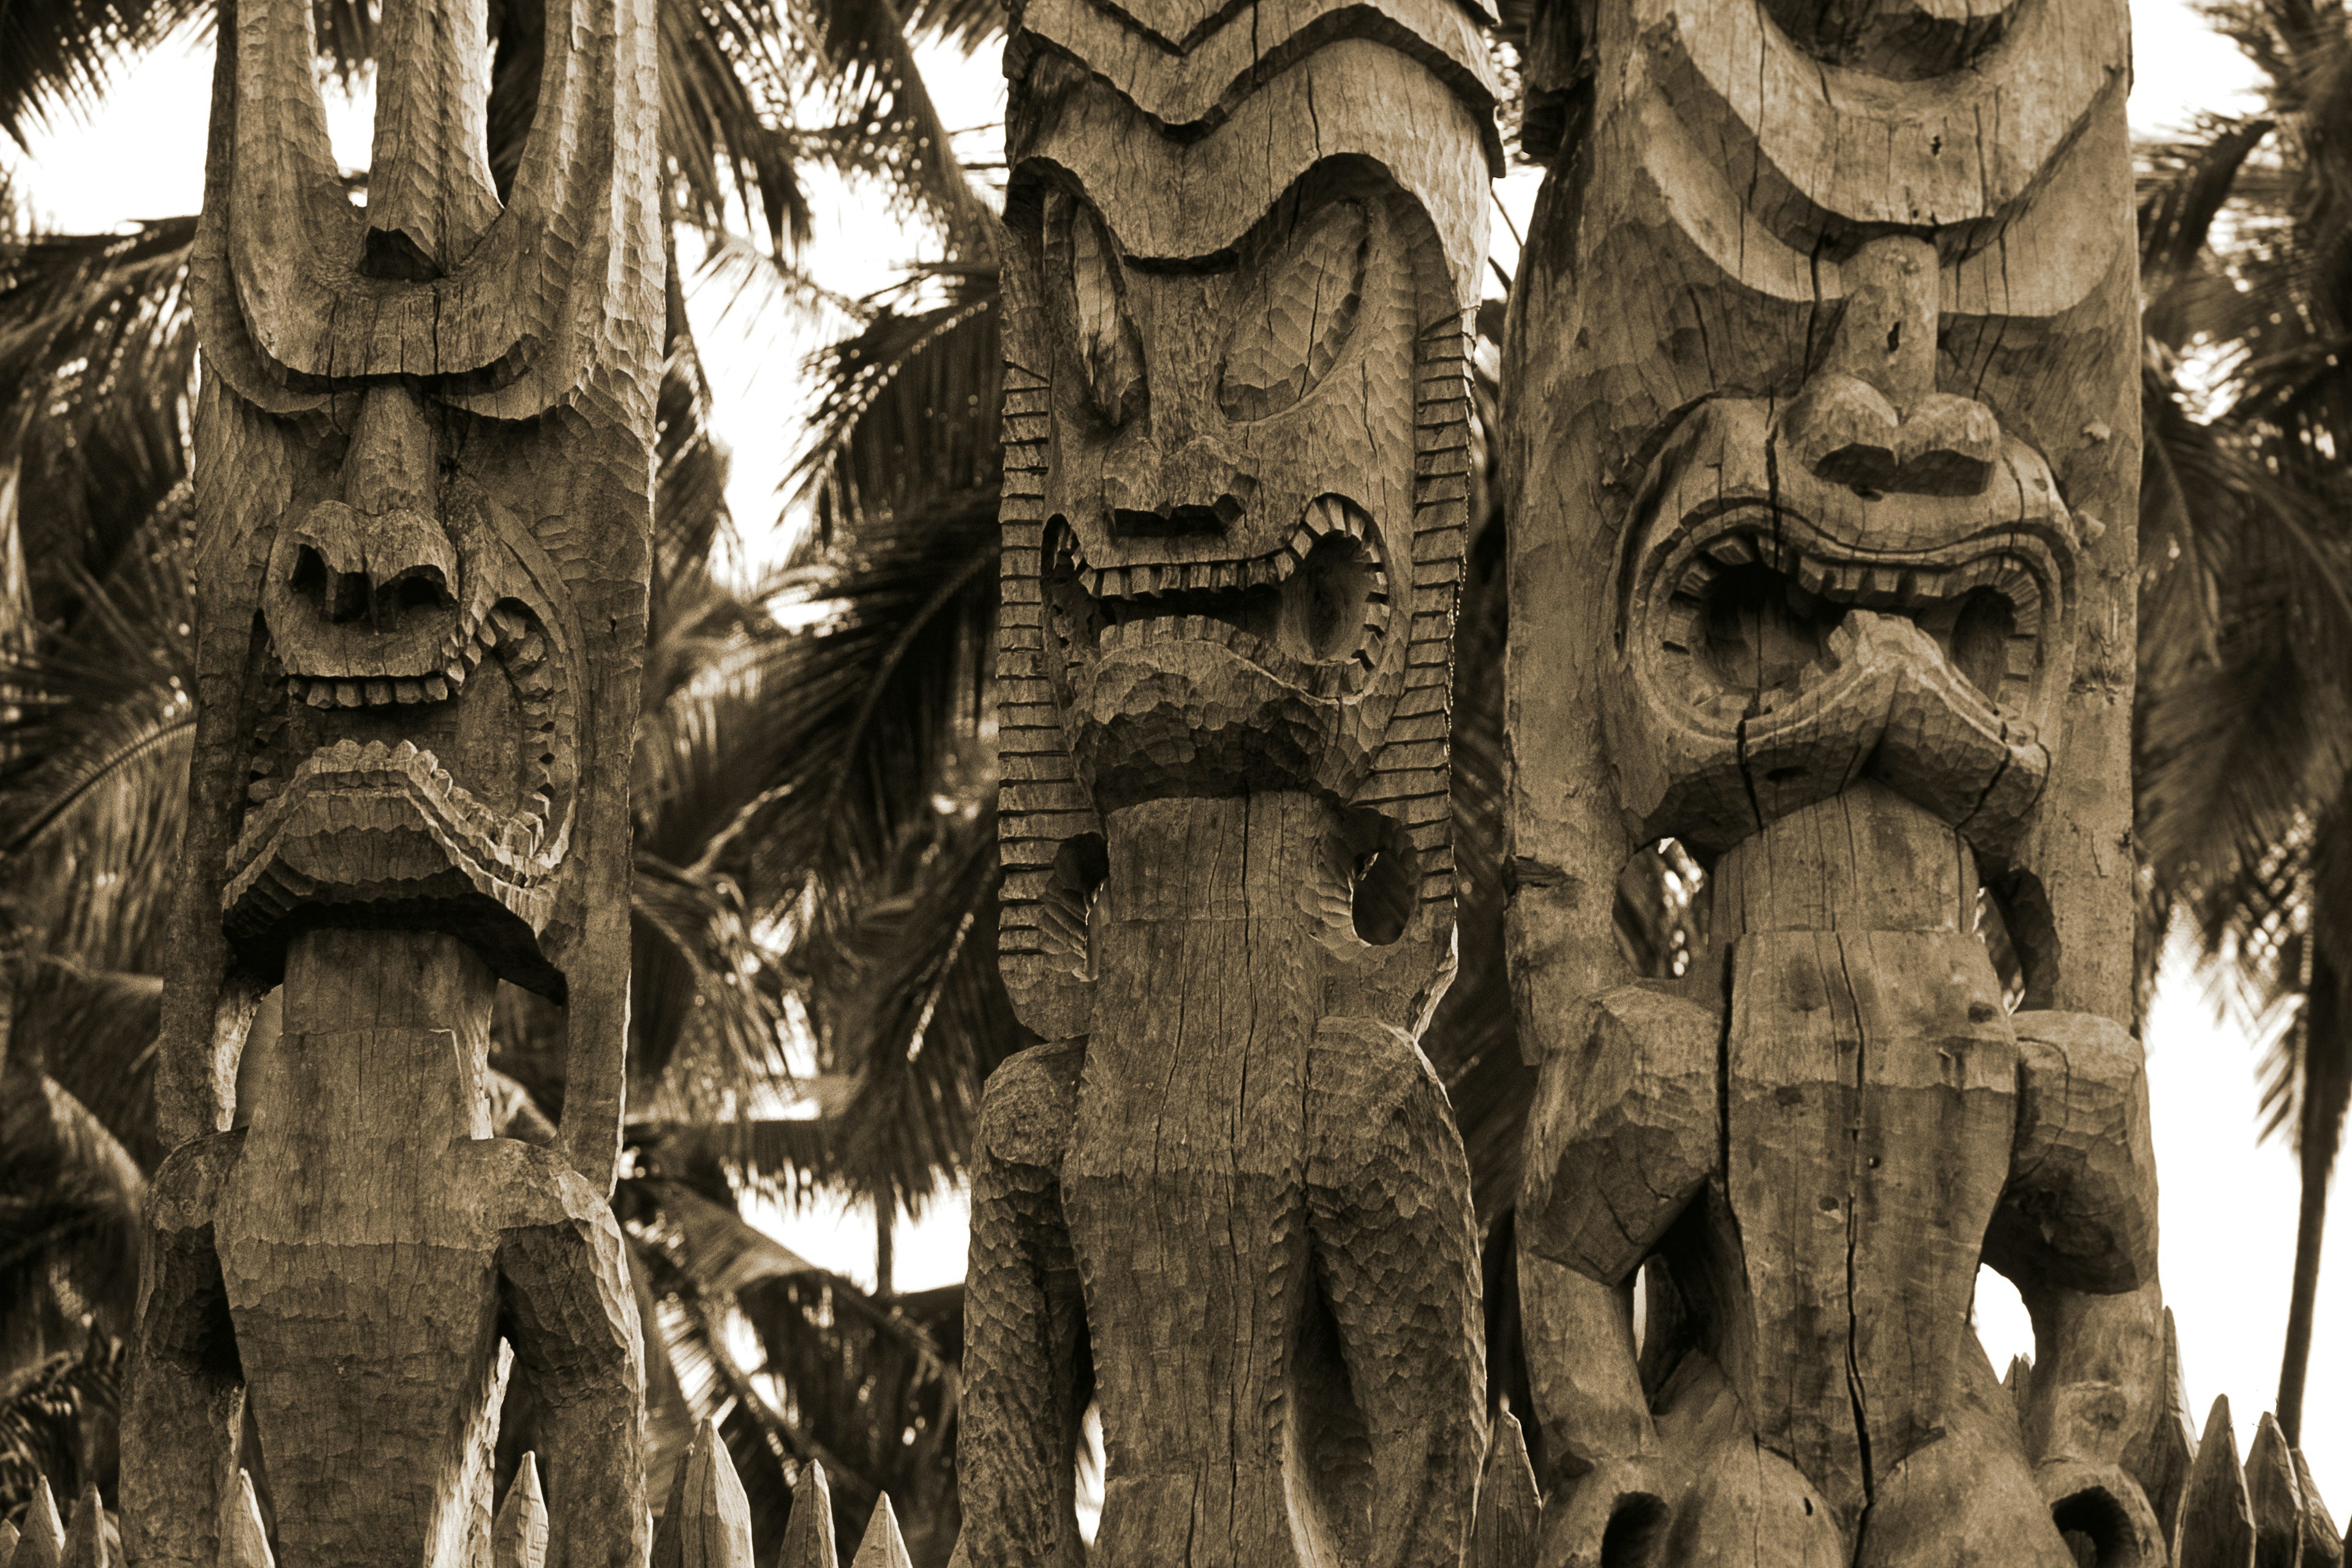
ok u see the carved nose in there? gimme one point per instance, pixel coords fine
(381, 549)
(1871, 417)
(1198, 489)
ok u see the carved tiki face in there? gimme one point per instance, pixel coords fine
(424, 498)
(1229, 500)
(1843, 401)
(1237, 427)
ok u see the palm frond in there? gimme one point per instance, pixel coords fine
(906, 414)
(97, 357)
(61, 56)
(69, 1231)
(862, 59)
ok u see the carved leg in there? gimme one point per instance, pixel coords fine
(1017, 1463)
(567, 1308)
(1396, 1249)
(1745, 1504)
(1966, 1500)
(187, 1394)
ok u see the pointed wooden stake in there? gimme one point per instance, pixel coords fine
(2275, 1497)
(707, 1523)
(1504, 1533)
(2216, 1519)
(808, 1538)
(86, 1537)
(518, 1538)
(2321, 1549)
(9, 1536)
(2020, 1382)
(43, 1533)
(883, 1546)
(2172, 1441)
(244, 1544)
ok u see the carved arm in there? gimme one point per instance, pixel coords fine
(1017, 1457)
(568, 1309)
(2076, 1233)
(187, 1400)
(1622, 1137)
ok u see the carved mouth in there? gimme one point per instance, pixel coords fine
(505, 650)
(1313, 612)
(1745, 606)
(440, 798)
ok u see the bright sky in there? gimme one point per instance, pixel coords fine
(2229, 1209)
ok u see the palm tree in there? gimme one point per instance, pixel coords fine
(2244, 779)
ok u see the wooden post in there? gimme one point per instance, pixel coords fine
(423, 482)
(1821, 433)
(1243, 246)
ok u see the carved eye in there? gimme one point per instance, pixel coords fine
(1297, 315)
(1080, 252)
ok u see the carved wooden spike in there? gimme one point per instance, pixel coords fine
(519, 1539)
(882, 1546)
(2020, 1383)
(2276, 1495)
(808, 1536)
(423, 488)
(1509, 1510)
(2321, 1547)
(244, 1544)
(86, 1537)
(9, 1536)
(1244, 245)
(707, 1523)
(1823, 463)
(2217, 1518)
(2163, 1460)
(43, 1541)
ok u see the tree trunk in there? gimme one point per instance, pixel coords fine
(1820, 423)
(2325, 1072)
(422, 476)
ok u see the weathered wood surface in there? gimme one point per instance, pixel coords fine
(423, 484)
(707, 1523)
(1244, 249)
(1821, 435)
(808, 1536)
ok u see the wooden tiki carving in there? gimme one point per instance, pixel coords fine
(1242, 247)
(1822, 433)
(423, 493)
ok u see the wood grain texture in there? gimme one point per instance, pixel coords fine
(423, 485)
(707, 1523)
(1237, 472)
(1819, 436)
(41, 1542)
(9, 1536)
(89, 1539)
(244, 1542)
(1509, 1510)
(808, 1536)
(881, 1546)
(518, 1538)
(2322, 1547)
(2217, 1516)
